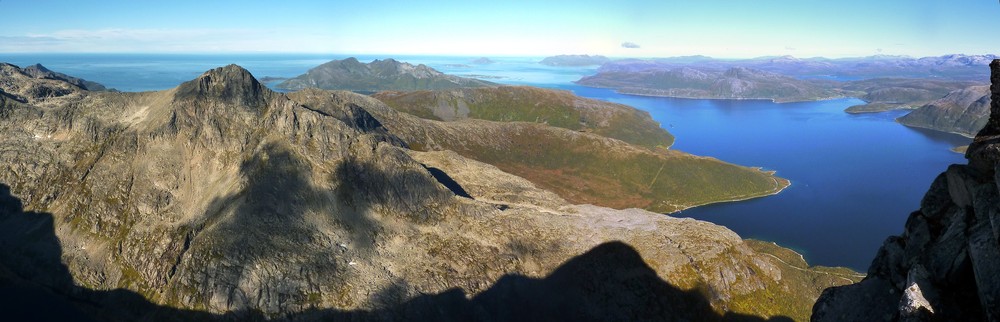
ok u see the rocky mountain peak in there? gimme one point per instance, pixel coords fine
(232, 84)
(36, 69)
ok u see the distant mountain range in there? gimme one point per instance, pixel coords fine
(733, 83)
(389, 74)
(884, 82)
(959, 67)
(575, 60)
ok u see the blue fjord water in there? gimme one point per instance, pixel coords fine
(855, 178)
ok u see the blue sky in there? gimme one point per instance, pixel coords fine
(734, 28)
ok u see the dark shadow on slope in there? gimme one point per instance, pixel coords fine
(448, 182)
(36, 286)
(611, 282)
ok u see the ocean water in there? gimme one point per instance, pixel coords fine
(855, 178)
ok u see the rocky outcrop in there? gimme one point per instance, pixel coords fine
(36, 85)
(39, 71)
(220, 199)
(379, 75)
(946, 264)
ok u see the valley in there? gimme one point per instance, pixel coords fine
(505, 148)
(174, 197)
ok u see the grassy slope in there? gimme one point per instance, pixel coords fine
(580, 167)
(528, 104)
(798, 281)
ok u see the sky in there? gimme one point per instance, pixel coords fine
(665, 28)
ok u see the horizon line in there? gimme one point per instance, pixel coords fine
(390, 55)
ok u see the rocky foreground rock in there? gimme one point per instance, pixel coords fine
(221, 199)
(946, 264)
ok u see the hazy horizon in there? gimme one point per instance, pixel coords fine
(716, 28)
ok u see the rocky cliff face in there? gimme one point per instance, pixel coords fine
(221, 199)
(946, 264)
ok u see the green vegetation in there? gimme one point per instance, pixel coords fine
(876, 108)
(528, 104)
(799, 284)
(579, 167)
(589, 169)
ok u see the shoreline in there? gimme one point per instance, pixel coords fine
(933, 129)
(788, 183)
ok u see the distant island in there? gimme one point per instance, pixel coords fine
(379, 75)
(482, 61)
(269, 79)
(575, 60)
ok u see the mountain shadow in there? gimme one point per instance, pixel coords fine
(610, 282)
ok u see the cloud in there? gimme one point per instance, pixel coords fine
(789, 48)
(629, 44)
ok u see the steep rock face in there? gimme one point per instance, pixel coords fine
(946, 264)
(962, 112)
(220, 199)
(379, 75)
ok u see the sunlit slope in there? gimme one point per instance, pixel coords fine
(581, 167)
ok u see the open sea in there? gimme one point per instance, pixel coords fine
(855, 178)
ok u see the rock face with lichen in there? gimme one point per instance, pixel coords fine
(221, 199)
(946, 264)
